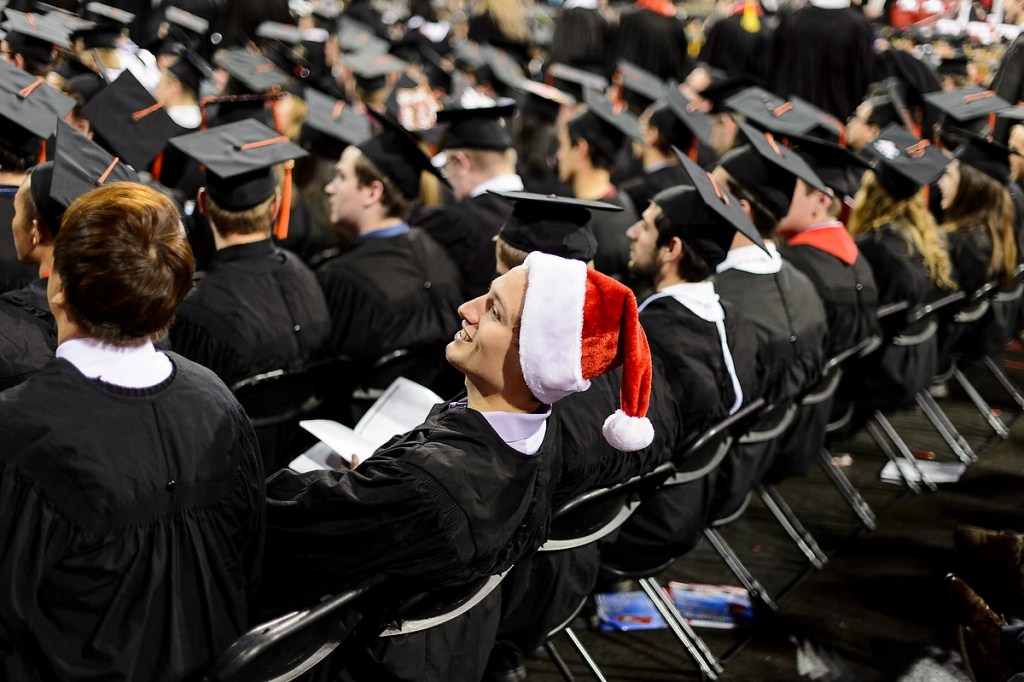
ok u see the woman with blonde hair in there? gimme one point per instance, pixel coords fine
(503, 24)
(979, 224)
(899, 237)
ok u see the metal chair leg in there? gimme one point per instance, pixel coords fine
(983, 407)
(559, 662)
(585, 655)
(680, 628)
(903, 449)
(850, 494)
(698, 641)
(756, 590)
(945, 428)
(879, 437)
(791, 524)
(1005, 381)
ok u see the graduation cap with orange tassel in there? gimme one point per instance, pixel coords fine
(239, 159)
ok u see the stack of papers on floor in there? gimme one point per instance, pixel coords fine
(401, 408)
(712, 606)
(937, 472)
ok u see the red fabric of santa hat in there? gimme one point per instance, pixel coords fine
(578, 324)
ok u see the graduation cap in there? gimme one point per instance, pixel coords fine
(986, 155)
(130, 121)
(396, 153)
(903, 163)
(953, 66)
(838, 167)
(85, 85)
(767, 170)
(356, 37)
(781, 157)
(189, 27)
(239, 159)
(479, 127)
(503, 69)
(26, 101)
(772, 113)
(372, 70)
(191, 69)
(101, 12)
(331, 125)
(99, 35)
(705, 215)
(826, 125)
(252, 71)
(275, 30)
(723, 88)
(551, 224)
(29, 35)
(79, 166)
(575, 81)
(604, 125)
(544, 101)
(638, 87)
(696, 125)
(967, 107)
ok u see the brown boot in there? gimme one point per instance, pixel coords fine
(1002, 551)
(982, 665)
(970, 609)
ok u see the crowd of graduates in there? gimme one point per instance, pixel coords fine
(548, 215)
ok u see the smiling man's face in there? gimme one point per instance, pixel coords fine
(486, 349)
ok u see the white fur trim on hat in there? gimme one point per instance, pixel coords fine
(551, 328)
(627, 433)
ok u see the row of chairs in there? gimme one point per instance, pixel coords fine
(292, 645)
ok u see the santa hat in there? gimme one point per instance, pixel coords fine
(578, 324)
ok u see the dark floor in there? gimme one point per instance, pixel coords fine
(877, 609)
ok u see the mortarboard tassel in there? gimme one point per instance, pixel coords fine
(750, 21)
(157, 168)
(284, 213)
(42, 150)
(692, 153)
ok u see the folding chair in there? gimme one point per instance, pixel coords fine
(587, 519)
(822, 395)
(701, 458)
(436, 607)
(286, 647)
(275, 401)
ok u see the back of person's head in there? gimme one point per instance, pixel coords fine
(124, 263)
(764, 218)
(254, 220)
(874, 208)
(981, 200)
(395, 204)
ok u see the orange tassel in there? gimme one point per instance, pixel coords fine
(158, 165)
(284, 213)
(693, 149)
(42, 150)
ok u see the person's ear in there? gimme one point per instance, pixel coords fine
(673, 250)
(747, 209)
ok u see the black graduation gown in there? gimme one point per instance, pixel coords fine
(690, 353)
(825, 56)
(609, 228)
(1008, 82)
(33, 300)
(642, 188)
(970, 249)
(466, 230)
(789, 319)
(542, 590)
(654, 42)
(890, 377)
(848, 292)
(732, 49)
(387, 293)
(257, 308)
(13, 274)
(131, 522)
(26, 344)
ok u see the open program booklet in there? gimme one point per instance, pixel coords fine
(402, 407)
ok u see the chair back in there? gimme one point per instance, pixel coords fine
(436, 607)
(277, 396)
(977, 304)
(597, 513)
(774, 419)
(286, 647)
(705, 454)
